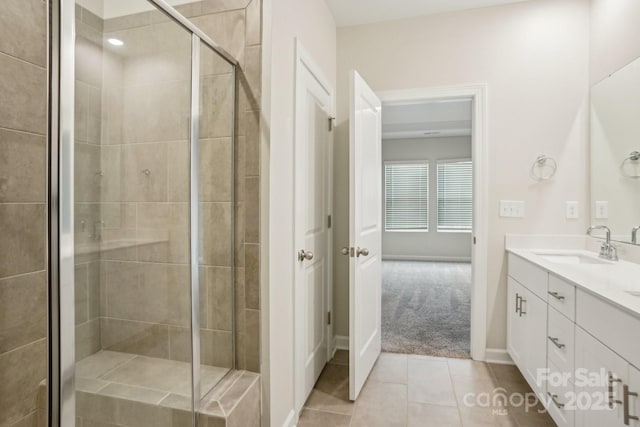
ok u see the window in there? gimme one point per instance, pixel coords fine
(455, 195)
(406, 196)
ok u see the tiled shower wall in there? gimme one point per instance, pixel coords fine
(125, 213)
(23, 278)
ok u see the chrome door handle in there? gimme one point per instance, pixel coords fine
(555, 402)
(625, 396)
(556, 342)
(345, 251)
(556, 295)
(363, 252)
(302, 255)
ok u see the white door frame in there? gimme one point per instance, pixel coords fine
(305, 61)
(479, 251)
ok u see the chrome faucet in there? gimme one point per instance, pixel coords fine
(607, 250)
(634, 234)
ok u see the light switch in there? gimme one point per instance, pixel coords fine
(512, 208)
(572, 210)
(602, 210)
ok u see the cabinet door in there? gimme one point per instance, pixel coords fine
(634, 401)
(595, 406)
(515, 323)
(534, 311)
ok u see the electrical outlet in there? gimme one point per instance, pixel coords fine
(511, 208)
(602, 210)
(572, 210)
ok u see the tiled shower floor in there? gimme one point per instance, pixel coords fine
(139, 378)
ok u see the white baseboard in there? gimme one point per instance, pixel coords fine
(498, 355)
(291, 420)
(340, 342)
(425, 258)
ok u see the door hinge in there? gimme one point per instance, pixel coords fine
(331, 120)
(474, 240)
(329, 221)
(329, 318)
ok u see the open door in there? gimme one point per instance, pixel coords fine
(365, 235)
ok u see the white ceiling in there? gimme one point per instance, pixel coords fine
(434, 119)
(356, 12)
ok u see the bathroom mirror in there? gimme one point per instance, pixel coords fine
(615, 153)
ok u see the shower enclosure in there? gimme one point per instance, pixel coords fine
(141, 215)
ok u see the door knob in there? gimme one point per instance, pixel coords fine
(363, 251)
(345, 251)
(302, 255)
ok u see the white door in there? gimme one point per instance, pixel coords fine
(312, 148)
(365, 232)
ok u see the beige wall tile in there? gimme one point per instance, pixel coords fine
(252, 276)
(87, 171)
(138, 185)
(216, 348)
(227, 28)
(216, 226)
(81, 278)
(253, 31)
(145, 339)
(23, 90)
(23, 30)
(87, 338)
(22, 167)
(217, 6)
(166, 221)
(252, 211)
(148, 292)
(23, 304)
(215, 170)
(219, 299)
(217, 106)
(252, 340)
(22, 248)
(179, 178)
(252, 148)
(252, 72)
(18, 394)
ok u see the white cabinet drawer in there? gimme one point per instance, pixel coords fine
(561, 345)
(559, 397)
(613, 326)
(562, 296)
(529, 275)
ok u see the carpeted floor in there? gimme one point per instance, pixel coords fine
(426, 308)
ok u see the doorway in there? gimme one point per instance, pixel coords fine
(427, 208)
(434, 276)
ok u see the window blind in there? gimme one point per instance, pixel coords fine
(406, 196)
(455, 195)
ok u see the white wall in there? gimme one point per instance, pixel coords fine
(534, 58)
(312, 23)
(431, 245)
(615, 36)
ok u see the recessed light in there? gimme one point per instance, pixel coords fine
(115, 42)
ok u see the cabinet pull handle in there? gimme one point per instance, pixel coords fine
(612, 380)
(626, 393)
(521, 301)
(556, 342)
(555, 402)
(517, 303)
(556, 295)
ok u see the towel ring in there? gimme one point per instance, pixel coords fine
(633, 157)
(542, 163)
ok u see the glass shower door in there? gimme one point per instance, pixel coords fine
(133, 96)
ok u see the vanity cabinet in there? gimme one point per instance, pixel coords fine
(553, 325)
(527, 329)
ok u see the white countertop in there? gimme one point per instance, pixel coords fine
(610, 280)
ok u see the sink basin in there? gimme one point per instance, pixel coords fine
(574, 259)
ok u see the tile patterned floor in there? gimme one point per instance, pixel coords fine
(420, 391)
